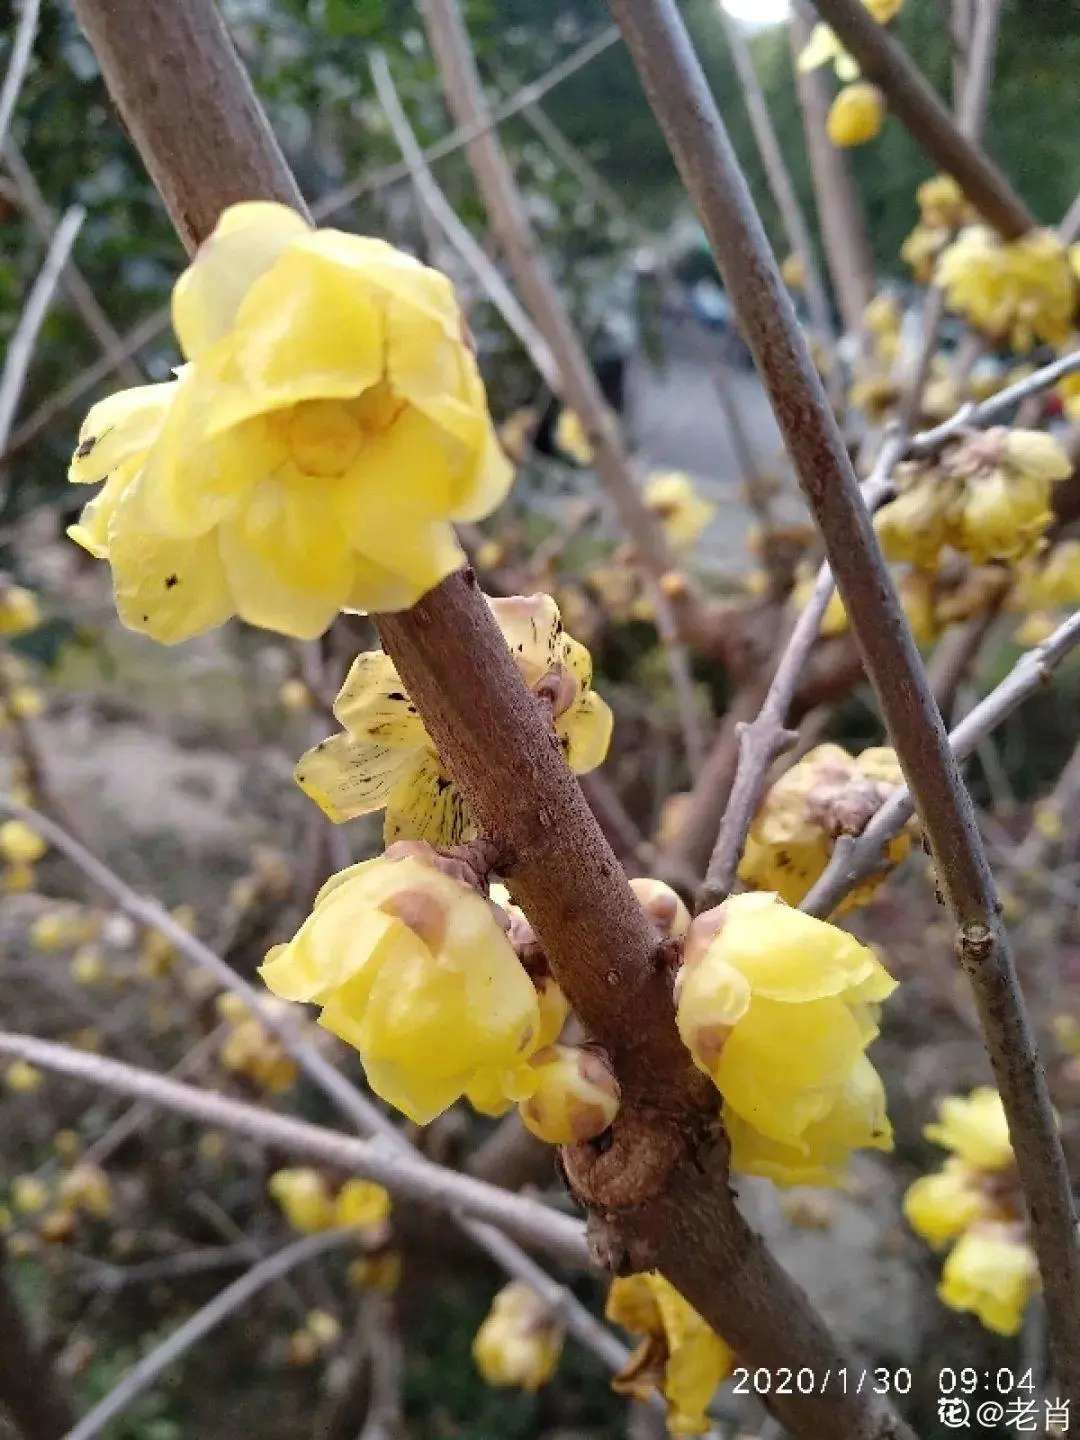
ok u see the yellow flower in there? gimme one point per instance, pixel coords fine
(86, 1188)
(571, 439)
(857, 1120)
(411, 968)
(974, 1128)
(991, 1274)
(681, 1356)
(1021, 291)
(55, 930)
(309, 459)
(941, 1206)
(921, 250)
(380, 1272)
(775, 1006)
(520, 1341)
(386, 759)
(323, 1327)
(19, 610)
(304, 1199)
(20, 844)
(1052, 580)
(574, 1095)
(793, 272)
(361, 1203)
(827, 794)
(942, 203)
(21, 1077)
(1004, 505)
(672, 497)
(824, 48)
(882, 316)
(914, 528)
(856, 115)
(295, 695)
(87, 966)
(29, 1195)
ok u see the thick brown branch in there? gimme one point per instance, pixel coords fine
(884, 60)
(680, 96)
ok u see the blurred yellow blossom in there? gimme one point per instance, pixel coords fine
(793, 272)
(942, 203)
(778, 1008)
(520, 1341)
(973, 1128)
(571, 439)
(412, 968)
(304, 1198)
(856, 115)
(19, 610)
(21, 1077)
(385, 758)
(680, 1355)
(330, 425)
(25, 702)
(86, 1190)
(1019, 291)
(20, 844)
(29, 1194)
(674, 499)
(942, 1205)
(991, 1272)
(361, 1203)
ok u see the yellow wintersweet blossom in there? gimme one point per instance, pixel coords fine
(361, 1203)
(673, 498)
(991, 1273)
(856, 115)
(412, 968)
(942, 203)
(86, 1190)
(385, 758)
(793, 272)
(573, 1095)
(330, 425)
(922, 249)
(21, 1077)
(304, 1198)
(519, 1344)
(778, 1008)
(1021, 291)
(942, 1205)
(19, 610)
(680, 1355)
(29, 1194)
(1049, 581)
(20, 844)
(827, 794)
(571, 437)
(974, 1129)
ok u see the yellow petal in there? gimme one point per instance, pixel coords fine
(242, 247)
(426, 805)
(822, 47)
(585, 732)
(347, 777)
(373, 589)
(373, 703)
(532, 628)
(121, 427)
(787, 955)
(288, 566)
(165, 588)
(941, 1206)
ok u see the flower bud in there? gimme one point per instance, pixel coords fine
(86, 1188)
(991, 1272)
(520, 1342)
(662, 905)
(304, 1199)
(20, 844)
(29, 1195)
(856, 115)
(361, 1203)
(576, 1096)
(21, 1077)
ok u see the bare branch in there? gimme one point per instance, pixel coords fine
(21, 349)
(38, 211)
(21, 50)
(142, 1375)
(856, 857)
(884, 60)
(766, 737)
(401, 1171)
(843, 226)
(680, 96)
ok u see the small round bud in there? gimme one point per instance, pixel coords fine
(576, 1096)
(662, 905)
(856, 115)
(520, 1342)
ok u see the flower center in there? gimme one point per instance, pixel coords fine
(325, 437)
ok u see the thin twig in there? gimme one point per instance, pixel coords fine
(681, 98)
(142, 1375)
(79, 289)
(402, 1172)
(882, 59)
(21, 349)
(766, 737)
(974, 417)
(21, 51)
(856, 857)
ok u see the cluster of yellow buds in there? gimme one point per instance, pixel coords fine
(61, 927)
(674, 499)
(974, 1205)
(310, 1203)
(320, 1332)
(828, 793)
(285, 474)
(385, 759)
(250, 1051)
(988, 497)
(1019, 291)
(519, 1344)
(679, 1355)
(943, 210)
(778, 1008)
(56, 1205)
